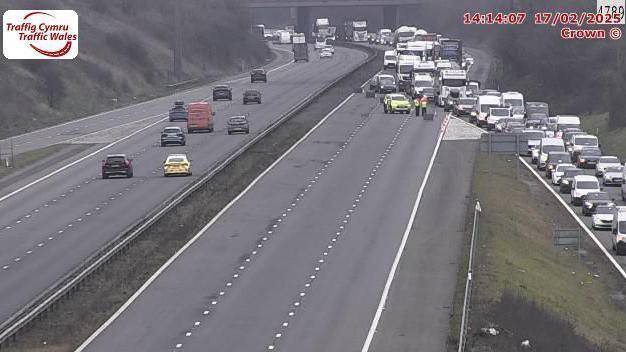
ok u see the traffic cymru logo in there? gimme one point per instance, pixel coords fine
(40, 34)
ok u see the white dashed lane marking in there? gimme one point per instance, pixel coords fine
(247, 259)
(333, 241)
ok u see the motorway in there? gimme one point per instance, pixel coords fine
(297, 263)
(300, 260)
(48, 228)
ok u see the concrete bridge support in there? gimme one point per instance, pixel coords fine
(391, 16)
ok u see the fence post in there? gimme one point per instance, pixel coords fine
(468, 281)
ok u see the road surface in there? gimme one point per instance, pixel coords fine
(299, 262)
(47, 229)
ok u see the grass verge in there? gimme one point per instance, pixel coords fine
(558, 298)
(34, 157)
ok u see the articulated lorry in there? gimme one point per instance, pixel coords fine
(300, 48)
(321, 28)
(355, 31)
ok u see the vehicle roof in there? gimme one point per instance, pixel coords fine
(116, 155)
(252, 91)
(258, 70)
(179, 155)
(166, 127)
(390, 52)
(585, 178)
(609, 156)
(488, 99)
(396, 95)
(567, 119)
(536, 103)
(552, 141)
(512, 94)
(238, 117)
(219, 86)
(584, 135)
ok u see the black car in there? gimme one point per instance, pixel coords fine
(593, 199)
(555, 158)
(258, 75)
(252, 96)
(178, 112)
(173, 135)
(117, 165)
(222, 92)
(568, 178)
(238, 124)
(588, 158)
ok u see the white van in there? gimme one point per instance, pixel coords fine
(581, 141)
(421, 81)
(389, 61)
(516, 101)
(583, 185)
(483, 104)
(546, 146)
(567, 121)
(619, 230)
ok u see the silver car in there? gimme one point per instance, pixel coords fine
(602, 219)
(613, 176)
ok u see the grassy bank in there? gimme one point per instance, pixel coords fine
(526, 287)
(126, 56)
(613, 140)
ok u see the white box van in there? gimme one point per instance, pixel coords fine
(582, 185)
(546, 146)
(483, 104)
(516, 101)
(567, 121)
(390, 59)
(581, 141)
(619, 230)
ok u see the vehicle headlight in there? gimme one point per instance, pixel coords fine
(588, 205)
(473, 113)
(582, 160)
(565, 182)
(550, 166)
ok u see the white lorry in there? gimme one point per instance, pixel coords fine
(359, 31)
(321, 28)
(404, 34)
(452, 87)
(384, 36)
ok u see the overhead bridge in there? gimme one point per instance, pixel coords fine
(301, 9)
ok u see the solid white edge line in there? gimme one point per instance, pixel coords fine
(578, 220)
(204, 229)
(405, 237)
(45, 177)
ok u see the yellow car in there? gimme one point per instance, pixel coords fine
(396, 102)
(177, 164)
